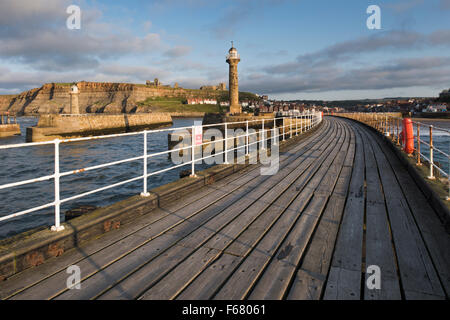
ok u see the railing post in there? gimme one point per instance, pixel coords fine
(193, 152)
(263, 147)
(310, 121)
(296, 125)
(418, 145)
(398, 131)
(385, 124)
(145, 193)
(226, 143)
(246, 139)
(57, 226)
(301, 123)
(283, 128)
(431, 177)
(290, 119)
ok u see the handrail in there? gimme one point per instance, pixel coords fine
(389, 125)
(312, 120)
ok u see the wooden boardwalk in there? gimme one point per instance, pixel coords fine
(341, 201)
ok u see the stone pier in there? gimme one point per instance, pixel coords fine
(8, 126)
(62, 126)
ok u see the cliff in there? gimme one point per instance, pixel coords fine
(97, 97)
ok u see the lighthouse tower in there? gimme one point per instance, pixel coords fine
(233, 59)
(74, 106)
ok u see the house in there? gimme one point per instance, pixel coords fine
(201, 101)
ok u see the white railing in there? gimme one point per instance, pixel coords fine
(302, 122)
(391, 126)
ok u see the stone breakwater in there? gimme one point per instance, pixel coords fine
(7, 130)
(96, 97)
(54, 126)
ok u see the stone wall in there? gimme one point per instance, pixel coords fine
(7, 130)
(54, 126)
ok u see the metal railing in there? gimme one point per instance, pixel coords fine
(302, 122)
(6, 118)
(391, 126)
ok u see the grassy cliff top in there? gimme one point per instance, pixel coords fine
(161, 104)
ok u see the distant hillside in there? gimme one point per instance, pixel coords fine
(105, 97)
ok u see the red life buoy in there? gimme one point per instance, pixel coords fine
(408, 136)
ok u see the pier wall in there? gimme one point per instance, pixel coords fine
(54, 126)
(7, 130)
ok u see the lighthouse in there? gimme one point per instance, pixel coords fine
(233, 59)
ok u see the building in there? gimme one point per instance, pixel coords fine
(155, 83)
(201, 101)
(436, 108)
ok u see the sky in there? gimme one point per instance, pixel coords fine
(290, 49)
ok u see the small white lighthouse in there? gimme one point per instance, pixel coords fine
(74, 106)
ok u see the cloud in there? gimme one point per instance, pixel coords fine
(21, 81)
(402, 73)
(344, 51)
(35, 34)
(177, 52)
(444, 4)
(237, 14)
(403, 6)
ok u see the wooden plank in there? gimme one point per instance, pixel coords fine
(436, 239)
(130, 264)
(342, 284)
(275, 280)
(57, 282)
(109, 255)
(311, 277)
(259, 257)
(140, 256)
(206, 283)
(199, 239)
(181, 275)
(277, 275)
(307, 285)
(229, 233)
(241, 281)
(32, 276)
(378, 247)
(265, 197)
(416, 268)
(347, 257)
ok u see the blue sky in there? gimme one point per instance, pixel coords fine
(289, 49)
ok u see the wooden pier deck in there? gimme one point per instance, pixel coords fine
(340, 202)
